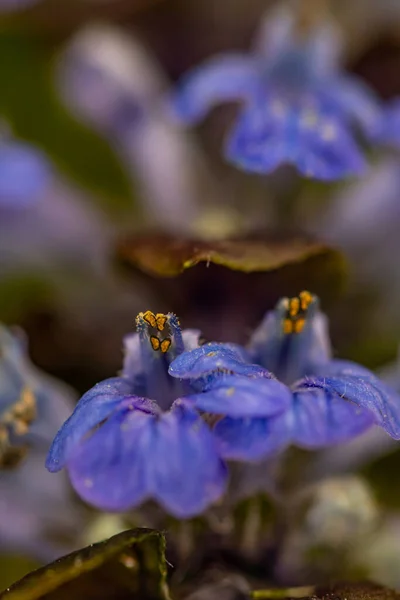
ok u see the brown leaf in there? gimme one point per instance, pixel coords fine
(166, 256)
(225, 287)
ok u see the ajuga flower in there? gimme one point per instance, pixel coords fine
(31, 402)
(34, 508)
(135, 437)
(298, 106)
(24, 173)
(287, 364)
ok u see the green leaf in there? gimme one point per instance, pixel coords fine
(128, 565)
(29, 101)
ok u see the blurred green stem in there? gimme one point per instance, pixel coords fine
(294, 592)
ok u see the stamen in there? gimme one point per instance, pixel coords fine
(157, 322)
(296, 315)
(157, 351)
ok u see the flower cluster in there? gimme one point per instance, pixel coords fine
(135, 436)
(299, 107)
(144, 434)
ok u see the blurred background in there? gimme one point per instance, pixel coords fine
(94, 171)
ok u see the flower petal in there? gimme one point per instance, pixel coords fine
(135, 456)
(250, 438)
(389, 130)
(110, 469)
(24, 174)
(212, 357)
(272, 131)
(187, 474)
(321, 417)
(94, 406)
(366, 391)
(357, 102)
(224, 78)
(238, 396)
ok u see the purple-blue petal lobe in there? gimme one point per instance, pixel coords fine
(212, 357)
(187, 472)
(110, 468)
(370, 395)
(250, 439)
(24, 174)
(135, 456)
(389, 130)
(321, 417)
(94, 406)
(356, 102)
(239, 396)
(272, 131)
(224, 78)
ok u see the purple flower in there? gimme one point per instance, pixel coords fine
(319, 401)
(298, 106)
(31, 402)
(389, 129)
(34, 508)
(25, 174)
(135, 437)
(109, 80)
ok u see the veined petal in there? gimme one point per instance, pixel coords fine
(212, 357)
(241, 396)
(94, 406)
(135, 456)
(321, 416)
(224, 78)
(110, 468)
(251, 438)
(368, 393)
(187, 473)
(272, 131)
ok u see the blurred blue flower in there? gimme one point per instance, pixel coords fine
(24, 173)
(299, 107)
(31, 402)
(389, 130)
(38, 516)
(318, 400)
(134, 437)
(110, 80)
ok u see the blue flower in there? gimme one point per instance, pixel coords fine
(298, 106)
(389, 127)
(134, 437)
(318, 400)
(24, 173)
(31, 402)
(32, 407)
